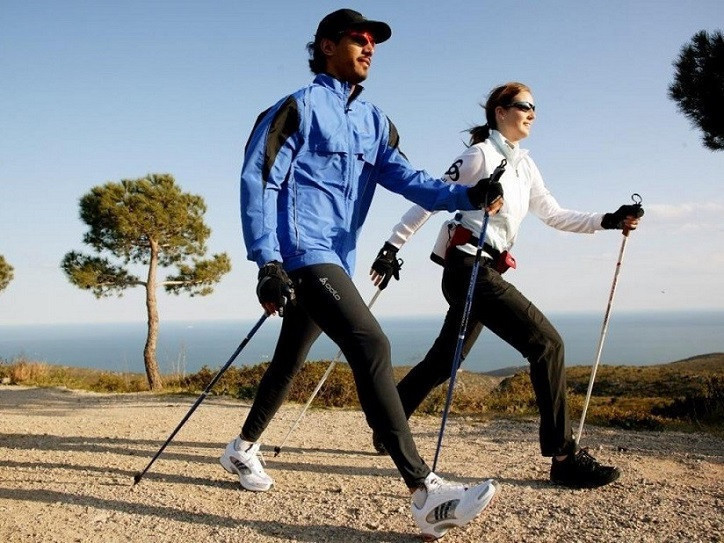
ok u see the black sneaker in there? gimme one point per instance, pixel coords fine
(377, 444)
(581, 470)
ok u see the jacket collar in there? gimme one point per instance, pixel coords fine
(342, 88)
(511, 151)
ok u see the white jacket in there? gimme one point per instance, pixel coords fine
(523, 189)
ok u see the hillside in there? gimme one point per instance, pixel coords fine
(671, 380)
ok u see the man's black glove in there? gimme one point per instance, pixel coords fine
(488, 190)
(387, 265)
(274, 287)
(616, 219)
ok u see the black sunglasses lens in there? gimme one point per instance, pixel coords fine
(524, 106)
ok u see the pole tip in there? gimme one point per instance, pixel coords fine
(137, 478)
(277, 450)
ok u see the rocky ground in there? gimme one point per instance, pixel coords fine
(67, 461)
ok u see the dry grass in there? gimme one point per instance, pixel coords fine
(30, 373)
(681, 395)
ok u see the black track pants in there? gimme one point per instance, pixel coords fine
(499, 306)
(327, 301)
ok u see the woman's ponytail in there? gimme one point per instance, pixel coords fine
(479, 134)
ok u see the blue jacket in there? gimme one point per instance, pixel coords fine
(310, 170)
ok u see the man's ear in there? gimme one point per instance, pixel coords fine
(327, 46)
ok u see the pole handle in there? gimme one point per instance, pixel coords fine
(636, 199)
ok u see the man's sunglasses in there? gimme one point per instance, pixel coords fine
(522, 106)
(361, 38)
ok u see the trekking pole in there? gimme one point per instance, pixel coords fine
(138, 476)
(464, 322)
(604, 328)
(278, 449)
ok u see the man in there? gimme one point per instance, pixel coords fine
(310, 169)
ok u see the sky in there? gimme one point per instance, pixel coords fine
(93, 92)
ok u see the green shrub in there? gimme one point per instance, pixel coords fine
(118, 382)
(677, 395)
(703, 407)
(339, 389)
(514, 396)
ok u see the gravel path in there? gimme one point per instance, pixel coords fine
(67, 461)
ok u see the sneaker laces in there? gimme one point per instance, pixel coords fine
(261, 458)
(585, 460)
(434, 484)
(255, 449)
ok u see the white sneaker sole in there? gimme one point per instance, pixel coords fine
(228, 465)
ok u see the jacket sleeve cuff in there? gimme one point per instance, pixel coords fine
(597, 220)
(266, 257)
(464, 202)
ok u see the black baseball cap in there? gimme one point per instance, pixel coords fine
(337, 22)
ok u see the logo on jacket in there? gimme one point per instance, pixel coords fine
(330, 288)
(453, 172)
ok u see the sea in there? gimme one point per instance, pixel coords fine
(184, 347)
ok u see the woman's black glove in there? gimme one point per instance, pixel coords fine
(615, 220)
(275, 288)
(386, 266)
(487, 191)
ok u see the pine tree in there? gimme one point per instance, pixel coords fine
(698, 86)
(6, 273)
(146, 221)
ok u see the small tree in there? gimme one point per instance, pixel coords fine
(146, 221)
(698, 86)
(6, 273)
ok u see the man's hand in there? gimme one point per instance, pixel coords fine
(275, 288)
(385, 266)
(487, 193)
(625, 217)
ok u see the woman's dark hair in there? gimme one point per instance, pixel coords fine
(500, 96)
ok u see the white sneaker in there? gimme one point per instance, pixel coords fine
(242, 457)
(441, 505)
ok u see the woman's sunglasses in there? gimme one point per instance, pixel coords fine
(523, 106)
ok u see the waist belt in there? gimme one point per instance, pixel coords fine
(492, 251)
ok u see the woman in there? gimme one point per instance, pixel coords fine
(498, 305)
